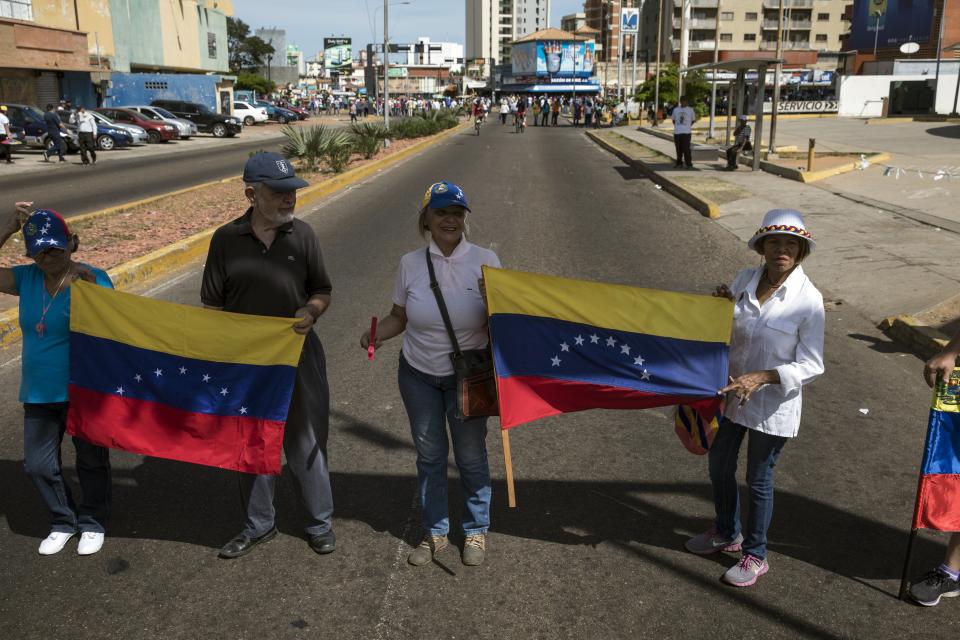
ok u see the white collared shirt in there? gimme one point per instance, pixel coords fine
(426, 344)
(786, 334)
(86, 123)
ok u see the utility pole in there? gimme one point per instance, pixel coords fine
(936, 81)
(386, 68)
(656, 82)
(619, 53)
(716, 59)
(762, 86)
(684, 45)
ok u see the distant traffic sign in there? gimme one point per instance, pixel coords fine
(629, 20)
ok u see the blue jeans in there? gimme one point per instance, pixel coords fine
(763, 451)
(43, 429)
(431, 403)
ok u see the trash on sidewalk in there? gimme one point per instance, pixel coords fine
(864, 411)
(658, 186)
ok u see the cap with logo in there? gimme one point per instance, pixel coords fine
(273, 170)
(45, 229)
(444, 194)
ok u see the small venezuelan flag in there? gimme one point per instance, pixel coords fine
(938, 493)
(563, 345)
(178, 382)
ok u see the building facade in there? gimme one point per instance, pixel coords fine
(492, 25)
(573, 21)
(441, 54)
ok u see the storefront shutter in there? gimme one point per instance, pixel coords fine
(48, 90)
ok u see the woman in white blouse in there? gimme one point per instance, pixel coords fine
(427, 382)
(776, 348)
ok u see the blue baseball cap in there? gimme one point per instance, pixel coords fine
(444, 194)
(273, 170)
(45, 229)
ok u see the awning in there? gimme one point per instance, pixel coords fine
(740, 64)
(550, 88)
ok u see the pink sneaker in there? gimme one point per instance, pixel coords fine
(746, 572)
(711, 542)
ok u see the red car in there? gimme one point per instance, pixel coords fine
(303, 113)
(157, 130)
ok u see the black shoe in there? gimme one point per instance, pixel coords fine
(677, 165)
(63, 159)
(323, 543)
(689, 166)
(243, 544)
(929, 588)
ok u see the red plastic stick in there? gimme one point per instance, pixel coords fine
(371, 348)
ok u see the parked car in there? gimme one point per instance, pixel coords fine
(303, 114)
(278, 114)
(157, 130)
(204, 117)
(30, 119)
(249, 114)
(137, 134)
(187, 128)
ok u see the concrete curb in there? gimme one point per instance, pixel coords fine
(920, 339)
(706, 207)
(184, 251)
(814, 176)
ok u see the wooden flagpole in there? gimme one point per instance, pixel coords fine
(508, 466)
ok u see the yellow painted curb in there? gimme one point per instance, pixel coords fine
(705, 206)
(814, 176)
(920, 339)
(184, 251)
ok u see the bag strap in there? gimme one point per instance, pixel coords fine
(435, 287)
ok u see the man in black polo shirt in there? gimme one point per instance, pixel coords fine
(268, 263)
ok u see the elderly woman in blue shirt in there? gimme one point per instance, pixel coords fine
(776, 348)
(43, 287)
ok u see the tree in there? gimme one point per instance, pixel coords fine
(695, 87)
(245, 51)
(253, 82)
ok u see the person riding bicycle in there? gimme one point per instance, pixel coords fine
(478, 110)
(521, 112)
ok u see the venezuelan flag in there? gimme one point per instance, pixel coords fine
(938, 493)
(563, 345)
(178, 382)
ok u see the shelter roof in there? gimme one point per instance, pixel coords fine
(548, 34)
(739, 64)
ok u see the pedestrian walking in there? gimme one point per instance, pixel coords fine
(776, 348)
(268, 263)
(448, 269)
(56, 131)
(43, 288)
(683, 119)
(353, 111)
(87, 134)
(942, 581)
(741, 142)
(555, 112)
(577, 113)
(587, 112)
(6, 135)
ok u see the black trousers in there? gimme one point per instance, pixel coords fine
(59, 146)
(682, 142)
(5, 152)
(87, 144)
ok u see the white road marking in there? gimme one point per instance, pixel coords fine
(391, 588)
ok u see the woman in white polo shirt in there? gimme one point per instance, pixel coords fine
(776, 348)
(427, 383)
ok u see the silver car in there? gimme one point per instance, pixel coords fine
(186, 127)
(139, 133)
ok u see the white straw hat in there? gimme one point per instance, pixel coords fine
(782, 221)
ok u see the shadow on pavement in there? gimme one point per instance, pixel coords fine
(879, 345)
(630, 173)
(949, 131)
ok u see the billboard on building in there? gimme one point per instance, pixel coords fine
(554, 58)
(899, 21)
(337, 54)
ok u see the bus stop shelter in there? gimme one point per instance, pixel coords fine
(741, 66)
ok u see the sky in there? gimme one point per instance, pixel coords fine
(307, 22)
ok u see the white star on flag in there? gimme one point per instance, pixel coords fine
(564, 346)
(39, 243)
(43, 231)
(183, 370)
(611, 342)
(158, 372)
(243, 411)
(138, 378)
(555, 360)
(645, 375)
(625, 348)
(53, 242)
(579, 340)
(206, 377)
(594, 339)
(223, 391)
(120, 391)
(639, 361)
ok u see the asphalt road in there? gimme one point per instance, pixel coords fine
(606, 498)
(73, 190)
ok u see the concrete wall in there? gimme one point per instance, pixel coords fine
(143, 88)
(862, 96)
(136, 33)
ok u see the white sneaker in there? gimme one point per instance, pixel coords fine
(54, 542)
(90, 543)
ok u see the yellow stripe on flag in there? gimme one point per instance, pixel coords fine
(667, 314)
(181, 330)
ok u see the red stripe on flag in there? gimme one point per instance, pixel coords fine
(527, 398)
(938, 502)
(250, 445)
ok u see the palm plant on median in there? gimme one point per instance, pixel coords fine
(368, 137)
(318, 144)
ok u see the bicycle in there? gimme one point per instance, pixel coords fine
(520, 124)
(477, 123)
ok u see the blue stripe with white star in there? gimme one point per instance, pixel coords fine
(188, 384)
(550, 348)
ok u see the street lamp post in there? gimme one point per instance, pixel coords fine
(386, 61)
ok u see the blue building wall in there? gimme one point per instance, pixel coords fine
(136, 33)
(143, 88)
(77, 87)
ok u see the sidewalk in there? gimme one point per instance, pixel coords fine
(883, 264)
